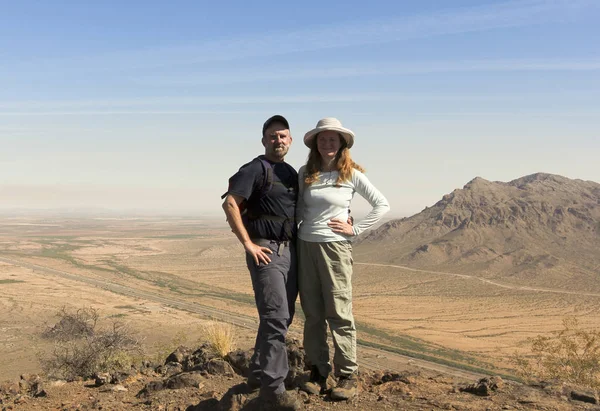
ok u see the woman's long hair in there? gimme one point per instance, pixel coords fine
(343, 163)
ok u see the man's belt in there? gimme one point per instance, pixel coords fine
(280, 244)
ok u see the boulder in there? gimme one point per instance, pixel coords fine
(184, 380)
(178, 355)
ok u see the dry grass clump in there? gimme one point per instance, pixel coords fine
(220, 336)
(82, 348)
(570, 355)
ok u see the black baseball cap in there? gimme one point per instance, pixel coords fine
(275, 119)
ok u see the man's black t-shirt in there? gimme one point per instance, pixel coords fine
(272, 215)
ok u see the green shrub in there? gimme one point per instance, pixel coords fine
(570, 355)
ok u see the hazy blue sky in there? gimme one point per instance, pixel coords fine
(146, 104)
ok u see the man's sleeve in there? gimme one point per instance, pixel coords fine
(246, 180)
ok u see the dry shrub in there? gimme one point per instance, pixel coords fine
(220, 336)
(82, 348)
(72, 325)
(570, 355)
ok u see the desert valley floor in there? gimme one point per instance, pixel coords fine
(452, 317)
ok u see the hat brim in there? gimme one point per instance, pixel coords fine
(348, 135)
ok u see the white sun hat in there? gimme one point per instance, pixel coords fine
(329, 123)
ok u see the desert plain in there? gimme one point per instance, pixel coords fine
(167, 276)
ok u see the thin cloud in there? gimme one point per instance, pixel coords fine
(194, 105)
(267, 74)
(453, 21)
(184, 105)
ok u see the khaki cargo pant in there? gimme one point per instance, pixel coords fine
(325, 285)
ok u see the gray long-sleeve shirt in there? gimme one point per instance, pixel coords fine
(323, 200)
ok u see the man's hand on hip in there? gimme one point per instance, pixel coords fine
(258, 253)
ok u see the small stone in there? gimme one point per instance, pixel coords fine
(119, 388)
(531, 398)
(588, 397)
(102, 378)
(20, 399)
(114, 388)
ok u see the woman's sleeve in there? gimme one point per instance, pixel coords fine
(380, 205)
(300, 200)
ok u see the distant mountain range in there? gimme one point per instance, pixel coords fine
(540, 229)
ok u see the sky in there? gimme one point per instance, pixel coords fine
(153, 105)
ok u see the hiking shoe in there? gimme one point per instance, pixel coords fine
(346, 388)
(316, 382)
(281, 402)
(253, 383)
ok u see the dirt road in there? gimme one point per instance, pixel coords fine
(370, 358)
(483, 280)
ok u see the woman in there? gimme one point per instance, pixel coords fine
(327, 184)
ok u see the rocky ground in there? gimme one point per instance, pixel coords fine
(198, 380)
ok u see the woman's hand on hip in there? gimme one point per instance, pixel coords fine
(340, 227)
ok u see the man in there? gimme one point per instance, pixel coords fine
(260, 208)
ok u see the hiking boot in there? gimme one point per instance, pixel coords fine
(346, 388)
(316, 382)
(281, 402)
(253, 383)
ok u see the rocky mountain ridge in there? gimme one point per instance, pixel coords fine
(534, 224)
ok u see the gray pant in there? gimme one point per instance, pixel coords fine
(275, 291)
(325, 283)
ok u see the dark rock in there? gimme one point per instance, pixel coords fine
(239, 397)
(183, 380)
(588, 397)
(198, 359)
(102, 378)
(296, 356)
(151, 387)
(233, 402)
(32, 385)
(20, 399)
(240, 361)
(497, 383)
(484, 386)
(406, 378)
(174, 382)
(171, 368)
(178, 355)
(219, 367)
(296, 362)
(206, 405)
(119, 377)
